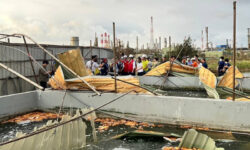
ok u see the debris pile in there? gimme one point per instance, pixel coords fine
(108, 122)
(33, 117)
(69, 133)
(177, 148)
(63, 79)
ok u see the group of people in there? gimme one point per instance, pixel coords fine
(195, 62)
(131, 66)
(125, 65)
(223, 65)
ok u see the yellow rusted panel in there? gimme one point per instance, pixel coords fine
(58, 81)
(163, 68)
(74, 60)
(227, 80)
(107, 84)
(100, 83)
(207, 77)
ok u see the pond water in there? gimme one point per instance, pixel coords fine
(228, 141)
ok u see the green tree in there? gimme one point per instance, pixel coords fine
(184, 49)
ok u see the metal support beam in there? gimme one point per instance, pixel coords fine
(21, 76)
(31, 63)
(56, 59)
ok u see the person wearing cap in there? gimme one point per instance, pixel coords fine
(125, 65)
(144, 63)
(194, 63)
(131, 65)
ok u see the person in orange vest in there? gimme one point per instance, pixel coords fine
(194, 63)
(131, 65)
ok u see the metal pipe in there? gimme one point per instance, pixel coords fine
(21, 76)
(114, 56)
(70, 70)
(31, 63)
(234, 47)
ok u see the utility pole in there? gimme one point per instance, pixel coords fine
(234, 47)
(114, 51)
(207, 38)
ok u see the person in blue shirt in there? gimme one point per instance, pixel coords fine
(221, 65)
(104, 66)
(226, 65)
(204, 63)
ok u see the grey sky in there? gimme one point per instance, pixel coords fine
(55, 21)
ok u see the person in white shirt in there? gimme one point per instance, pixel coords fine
(92, 64)
(139, 68)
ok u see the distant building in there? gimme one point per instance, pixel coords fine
(221, 47)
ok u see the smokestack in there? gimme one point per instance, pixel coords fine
(74, 41)
(152, 34)
(165, 43)
(160, 43)
(202, 40)
(102, 40)
(207, 38)
(248, 38)
(169, 43)
(137, 48)
(105, 40)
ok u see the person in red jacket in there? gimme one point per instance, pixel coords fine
(125, 64)
(131, 65)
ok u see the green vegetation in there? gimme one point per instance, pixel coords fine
(243, 65)
(185, 49)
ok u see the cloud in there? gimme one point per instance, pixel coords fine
(56, 21)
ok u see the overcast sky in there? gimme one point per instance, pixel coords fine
(55, 21)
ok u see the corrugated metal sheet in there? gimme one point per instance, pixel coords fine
(10, 56)
(193, 139)
(71, 135)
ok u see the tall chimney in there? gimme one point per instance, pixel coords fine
(207, 38)
(248, 38)
(74, 41)
(159, 43)
(165, 43)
